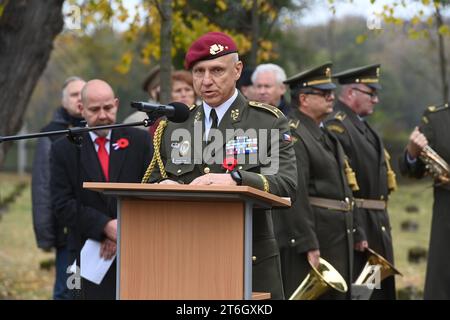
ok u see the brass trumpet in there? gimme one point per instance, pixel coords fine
(386, 268)
(318, 281)
(435, 165)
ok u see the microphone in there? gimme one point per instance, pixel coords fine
(175, 111)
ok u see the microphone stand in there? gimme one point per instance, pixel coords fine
(75, 136)
(72, 133)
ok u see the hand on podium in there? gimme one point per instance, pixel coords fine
(168, 181)
(223, 179)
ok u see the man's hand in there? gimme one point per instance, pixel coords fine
(313, 257)
(168, 181)
(107, 249)
(110, 230)
(417, 141)
(361, 246)
(222, 179)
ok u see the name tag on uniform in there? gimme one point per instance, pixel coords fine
(241, 145)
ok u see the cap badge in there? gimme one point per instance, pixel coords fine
(215, 49)
(378, 72)
(328, 72)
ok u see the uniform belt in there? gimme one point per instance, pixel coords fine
(370, 204)
(341, 205)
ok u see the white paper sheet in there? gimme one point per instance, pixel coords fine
(93, 267)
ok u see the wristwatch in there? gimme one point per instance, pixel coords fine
(236, 176)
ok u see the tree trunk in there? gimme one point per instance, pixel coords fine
(27, 31)
(166, 51)
(255, 35)
(442, 56)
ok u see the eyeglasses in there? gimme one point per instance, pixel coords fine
(324, 93)
(371, 94)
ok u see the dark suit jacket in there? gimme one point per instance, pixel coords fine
(95, 210)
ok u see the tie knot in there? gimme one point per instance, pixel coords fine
(100, 141)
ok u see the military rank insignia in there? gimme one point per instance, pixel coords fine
(241, 145)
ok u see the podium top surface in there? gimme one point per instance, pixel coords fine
(160, 191)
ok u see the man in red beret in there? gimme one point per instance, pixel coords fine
(263, 161)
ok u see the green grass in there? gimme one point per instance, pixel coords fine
(20, 273)
(419, 194)
(22, 278)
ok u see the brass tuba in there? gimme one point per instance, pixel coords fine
(386, 268)
(318, 281)
(435, 165)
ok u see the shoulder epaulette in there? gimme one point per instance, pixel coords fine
(432, 109)
(293, 124)
(335, 128)
(340, 115)
(274, 110)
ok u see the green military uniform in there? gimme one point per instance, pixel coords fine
(435, 126)
(367, 157)
(280, 180)
(308, 225)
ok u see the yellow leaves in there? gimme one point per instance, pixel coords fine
(125, 63)
(222, 5)
(360, 39)
(417, 34)
(415, 20)
(265, 52)
(444, 30)
(425, 2)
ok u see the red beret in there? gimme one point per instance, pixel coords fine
(209, 46)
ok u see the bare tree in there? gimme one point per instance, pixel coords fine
(27, 31)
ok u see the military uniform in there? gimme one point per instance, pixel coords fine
(375, 178)
(182, 165)
(366, 154)
(435, 125)
(310, 223)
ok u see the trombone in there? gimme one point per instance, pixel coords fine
(386, 269)
(318, 281)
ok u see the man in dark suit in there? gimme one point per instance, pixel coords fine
(319, 223)
(370, 161)
(228, 122)
(121, 155)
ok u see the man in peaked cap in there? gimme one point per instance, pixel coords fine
(370, 161)
(151, 86)
(319, 223)
(214, 62)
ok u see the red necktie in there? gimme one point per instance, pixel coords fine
(103, 156)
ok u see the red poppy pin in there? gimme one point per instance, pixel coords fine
(122, 143)
(229, 163)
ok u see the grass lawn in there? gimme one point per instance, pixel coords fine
(419, 195)
(22, 278)
(20, 274)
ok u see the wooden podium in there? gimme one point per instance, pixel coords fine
(185, 242)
